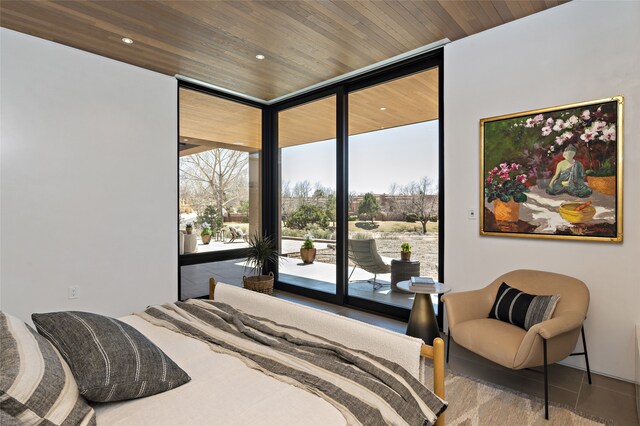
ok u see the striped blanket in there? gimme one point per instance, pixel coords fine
(366, 389)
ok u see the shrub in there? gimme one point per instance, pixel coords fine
(211, 217)
(411, 217)
(307, 215)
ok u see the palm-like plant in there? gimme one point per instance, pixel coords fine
(261, 251)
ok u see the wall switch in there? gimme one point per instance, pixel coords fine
(74, 292)
(472, 214)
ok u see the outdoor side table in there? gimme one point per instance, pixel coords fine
(422, 321)
(402, 270)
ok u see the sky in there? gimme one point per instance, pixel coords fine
(376, 159)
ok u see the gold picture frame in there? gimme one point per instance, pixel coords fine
(554, 172)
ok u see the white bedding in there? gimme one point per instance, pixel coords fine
(224, 391)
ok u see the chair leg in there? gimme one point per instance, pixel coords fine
(352, 271)
(546, 381)
(586, 356)
(448, 343)
(375, 284)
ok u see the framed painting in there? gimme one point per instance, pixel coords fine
(554, 172)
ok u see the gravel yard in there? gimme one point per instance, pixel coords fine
(424, 249)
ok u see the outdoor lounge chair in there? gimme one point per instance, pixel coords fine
(237, 233)
(364, 254)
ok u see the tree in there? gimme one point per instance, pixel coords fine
(330, 207)
(422, 201)
(301, 191)
(369, 206)
(210, 216)
(218, 174)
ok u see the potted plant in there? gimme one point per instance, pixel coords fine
(206, 233)
(308, 251)
(505, 187)
(189, 228)
(260, 252)
(405, 252)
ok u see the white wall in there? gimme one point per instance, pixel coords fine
(575, 52)
(88, 181)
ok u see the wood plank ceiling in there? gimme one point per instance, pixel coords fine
(211, 122)
(304, 42)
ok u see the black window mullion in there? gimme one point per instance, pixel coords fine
(342, 193)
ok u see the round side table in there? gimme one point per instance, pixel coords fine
(422, 320)
(402, 270)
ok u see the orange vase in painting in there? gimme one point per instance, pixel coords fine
(508, 211)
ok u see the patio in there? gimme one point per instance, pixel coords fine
(317, 276)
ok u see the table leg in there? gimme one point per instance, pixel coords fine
(422, 321)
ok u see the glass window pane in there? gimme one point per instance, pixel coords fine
(194, 279)
(393, 185)
(220, 185)
(220, 144)
(307, 146)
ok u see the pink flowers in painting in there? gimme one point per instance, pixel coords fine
(590, 130)
(506, 181)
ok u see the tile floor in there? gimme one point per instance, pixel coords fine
(607, 398)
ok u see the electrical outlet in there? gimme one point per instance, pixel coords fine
(74, 292)
(472, 214)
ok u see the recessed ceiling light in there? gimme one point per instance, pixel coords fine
(127, 40)
(383, 109)
(260, 56)
(185, 140)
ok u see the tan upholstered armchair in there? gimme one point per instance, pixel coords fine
(514, 347)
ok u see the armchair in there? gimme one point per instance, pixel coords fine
(514, 347)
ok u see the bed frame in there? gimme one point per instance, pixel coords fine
(435, 353)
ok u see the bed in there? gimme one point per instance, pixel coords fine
(223, 391)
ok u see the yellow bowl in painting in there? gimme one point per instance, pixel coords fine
(570, 214)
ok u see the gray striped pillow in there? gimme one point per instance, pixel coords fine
(110, 360)
(522, 309)
(36, 385)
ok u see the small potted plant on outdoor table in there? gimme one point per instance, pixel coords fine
(261, 251)
(205, 235)
(405, 252)
(189, 228)
(308, 251)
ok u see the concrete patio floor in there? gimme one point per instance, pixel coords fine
(317, 276)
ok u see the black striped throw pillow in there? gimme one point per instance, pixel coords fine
(36, 384)
(110, 360)
(522, 309)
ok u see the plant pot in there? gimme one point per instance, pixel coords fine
(308, 255)
(508, 212)
(189, 230)
(405, 256)
(259, 283)
(206, 238)
(603, 184)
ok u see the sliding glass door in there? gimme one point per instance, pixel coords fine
(359, 177)
(393, 186)
(307, 152)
